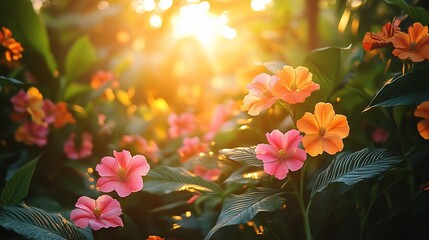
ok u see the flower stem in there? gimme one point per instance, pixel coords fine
(304, 212)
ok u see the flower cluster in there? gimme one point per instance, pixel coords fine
(289, 85)
(121, 173)
(324, 130)
(413, 45)
(35, 114)
(13, 48)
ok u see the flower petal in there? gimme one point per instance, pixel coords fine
(313, 144)
(123, 189)
(275, 139)
(332, 144)
(423, 128)
(324, 113)
(266, 153)
(291, 139)
(278, 169)
(138, 166)
(107, 184)
(123, 158)
(308, 124)
(296, 158)
(107, 167)
(339, 126)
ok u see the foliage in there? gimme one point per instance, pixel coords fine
(146, 105)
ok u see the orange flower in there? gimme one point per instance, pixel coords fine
(294, 85)
(414, 45)
(13, 48)
(62, 115)
(324, 130)
(102, 77)
(378, 40)
(423, 126)
(35, 105)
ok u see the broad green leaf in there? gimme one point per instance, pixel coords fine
(328, 66)
(408, 89)
(17, 187)
(165, 179)
(350, 168)
(81, 57)
(27, 28)
(418, 14)
(245, 155)
(242, 208)
(34, 223)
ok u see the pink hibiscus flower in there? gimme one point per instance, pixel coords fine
(84, 150)
(260, 95)
(122, 173)
(181, 125)
(101, 213)
(282, 153)
(191, 147)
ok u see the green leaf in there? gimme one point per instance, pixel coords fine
(408, 89)
(17, 187)
(74, 89)
(328, 66)
(11, 80)
(27, 28)
(34, 223)
(245, 155)
(242, 208)
(81, 57)
(165, 179)
(418, 14)
(350, 168)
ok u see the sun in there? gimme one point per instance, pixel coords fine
(195, 20)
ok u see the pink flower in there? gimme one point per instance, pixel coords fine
(219, 118)
(260, 95)
(182, 125)
(122, 173)
(380, 135)
(101, 213)
(49, 109)
(31, 133)
(207, 174)
(141, 145)
(84, 150)
(20, 101)
(191, 147)
(282, 153)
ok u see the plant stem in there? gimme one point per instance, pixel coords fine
(304, 212)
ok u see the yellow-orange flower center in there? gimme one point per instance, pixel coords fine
(282, 154)
(267, 93)
(322, 131)
(294, 86)
(97, 212)
(413, 46)
(121, 174)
